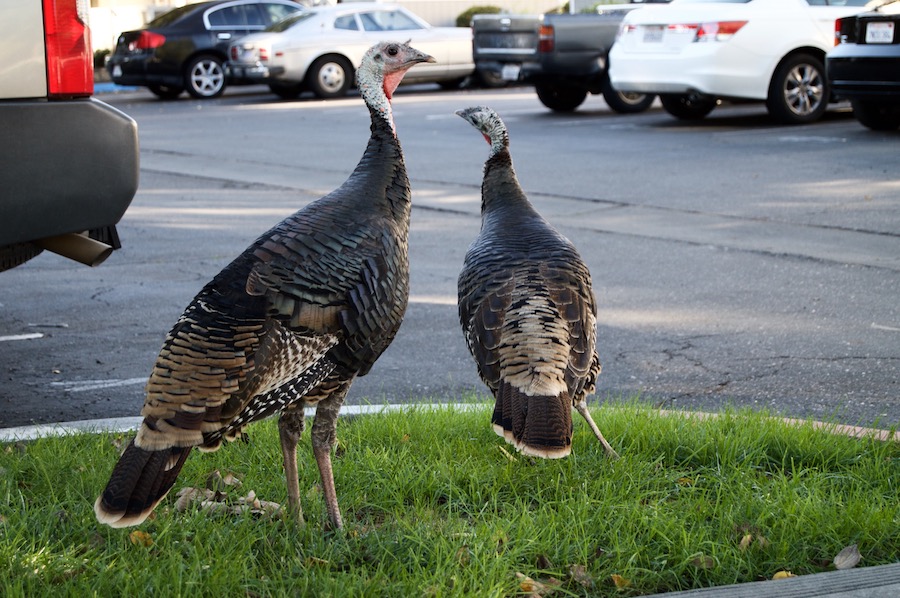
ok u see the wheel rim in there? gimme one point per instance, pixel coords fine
(332, 77)
(207, 77)
(804, 89)
(630, 97)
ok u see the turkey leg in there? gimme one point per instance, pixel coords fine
(581, 407)
(324, 433)
(290, 428)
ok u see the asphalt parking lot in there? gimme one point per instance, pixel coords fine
(736, 262)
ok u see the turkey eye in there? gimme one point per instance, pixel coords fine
(392, 51)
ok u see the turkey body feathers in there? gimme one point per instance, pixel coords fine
(527, 310)
(310, 305)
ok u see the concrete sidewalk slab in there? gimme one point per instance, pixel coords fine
(868, 582)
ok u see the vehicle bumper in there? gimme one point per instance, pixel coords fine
(256, 73)
(142, 71)
(721, 70)
(67, 167)
(509, 71)
(864, 71)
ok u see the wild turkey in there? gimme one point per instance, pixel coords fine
(527, 310)
(310, 305)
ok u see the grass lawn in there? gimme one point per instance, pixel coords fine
(435, 504)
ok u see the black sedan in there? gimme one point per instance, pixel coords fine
(185, 49)
(864, 66)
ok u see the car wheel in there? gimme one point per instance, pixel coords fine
(490, 79)
(286, 91)
(688, 106)
(799, 92)
(165, 92)
(204, 77)
(560, 98)
(625, 102)
(330, 77)
(878, 116)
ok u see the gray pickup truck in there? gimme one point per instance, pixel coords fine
(564, 56)
(68, 162)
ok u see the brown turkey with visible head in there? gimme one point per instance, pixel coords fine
(310, 305)
(527, 310)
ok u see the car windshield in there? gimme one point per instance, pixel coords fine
(288, 22)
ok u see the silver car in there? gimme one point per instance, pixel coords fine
(319, 49)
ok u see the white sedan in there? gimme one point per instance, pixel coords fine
(319, 49)
(695, 52)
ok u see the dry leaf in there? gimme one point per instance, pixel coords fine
(685, 482)
(701, 561)
(619, 581)
(847, 558)
(462, 555)
(580, 575)
(139, 538)
(745, 542)
(543, 562)
(536, 588)
(188, 496)
(783, 575)
(405, 438)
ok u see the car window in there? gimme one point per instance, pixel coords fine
(387, 20)
(288, 22)
(171, 16)
(276, 12)
(347, 22)
(233, 16)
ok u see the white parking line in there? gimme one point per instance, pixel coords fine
(21, 337)
(88, 385)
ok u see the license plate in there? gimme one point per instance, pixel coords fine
(653, 34)
(117, 71)
(510, 72)
(879, 33)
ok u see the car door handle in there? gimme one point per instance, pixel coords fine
(223, 36)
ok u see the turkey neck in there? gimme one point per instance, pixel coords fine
(382, 167)
(503, 202)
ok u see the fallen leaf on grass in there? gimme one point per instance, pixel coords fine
(847, 558)
(747, 541)
(701, 561)
(619, 581)
(536, 588)
(139, 538)
(783, 575)
(580, 575)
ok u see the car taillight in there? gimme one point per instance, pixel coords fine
(545, 38)
(718, 32)
(147, 40)
(844, 31)
(70, 62)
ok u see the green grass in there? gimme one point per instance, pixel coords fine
(433, 507)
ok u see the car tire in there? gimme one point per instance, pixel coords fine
(330, 77)
(688, 106)
(204, 77)
(165, 92)
(452, 84)
(625, 102)
(286, 91)
(799, 91)
(878, 116)
(560, 98)
(490, 79)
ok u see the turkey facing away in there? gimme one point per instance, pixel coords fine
(527, 310)
(290, 322)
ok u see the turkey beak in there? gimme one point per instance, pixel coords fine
(416, 57)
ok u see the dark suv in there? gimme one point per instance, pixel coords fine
(185, 49)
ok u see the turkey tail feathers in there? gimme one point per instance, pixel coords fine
(139, 481)
(539, 426)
